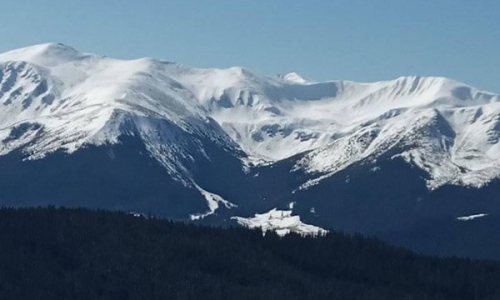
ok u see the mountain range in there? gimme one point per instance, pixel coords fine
(414, 160)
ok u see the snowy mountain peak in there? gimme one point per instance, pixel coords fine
(295, 78)
(46, 55)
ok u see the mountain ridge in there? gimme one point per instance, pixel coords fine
(257, 112)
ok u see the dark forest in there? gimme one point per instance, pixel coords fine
(58, 253)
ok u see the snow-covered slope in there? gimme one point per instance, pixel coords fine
(444, 127)
(447, 129)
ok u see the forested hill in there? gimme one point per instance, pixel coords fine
(49, 253)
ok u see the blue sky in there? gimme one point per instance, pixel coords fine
(354, 40)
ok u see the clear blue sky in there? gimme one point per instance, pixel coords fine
(322, 39)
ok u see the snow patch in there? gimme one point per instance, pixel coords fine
(471, 217)
(214, 201)
(280, 221)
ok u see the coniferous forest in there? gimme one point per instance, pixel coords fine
(57, 253)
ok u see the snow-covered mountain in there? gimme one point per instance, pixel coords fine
(237, 143)
(449, 129)
(57, 98)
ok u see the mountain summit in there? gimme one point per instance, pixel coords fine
(213, 144)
